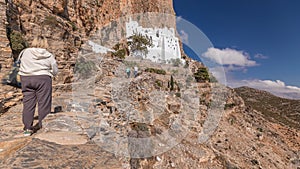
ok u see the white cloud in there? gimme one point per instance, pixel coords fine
(232, 68)
(184, 37)
(229, 57)
(219, 74)
(293, 88)
(260, 56)
(231, 60)
(277, 87)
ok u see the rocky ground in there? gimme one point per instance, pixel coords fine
(140, 123)
(55, 146)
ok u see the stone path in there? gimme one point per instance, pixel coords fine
(42, 154)
(62, 143)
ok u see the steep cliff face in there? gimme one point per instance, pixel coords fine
(5, 51)
(66, 24)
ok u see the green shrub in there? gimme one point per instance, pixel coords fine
(178, 94)
(157, 71)
(99, 3)
(74, 27)
(121, 53)
(172, 83)
(186, 64)
(254, 162)
(201, 75)
(50, 20)
(174, 72)
(17, 41)
(158, 83)
(260, 129)
(117, 46)
(229, 106)
(140, 127)
(231, 121)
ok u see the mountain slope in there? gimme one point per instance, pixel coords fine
(273, 108)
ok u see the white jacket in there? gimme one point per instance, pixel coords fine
(37, 61)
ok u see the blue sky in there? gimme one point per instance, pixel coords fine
(266, 32)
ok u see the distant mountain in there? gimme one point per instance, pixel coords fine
(273, 108)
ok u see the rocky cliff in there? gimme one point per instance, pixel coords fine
(5, 50)
(66, 24)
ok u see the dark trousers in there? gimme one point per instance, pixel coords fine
(36, 90)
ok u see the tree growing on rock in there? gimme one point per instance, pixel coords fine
(139, 44)
(172, 83)
(120, 50)
(17, 42)
(202, 75)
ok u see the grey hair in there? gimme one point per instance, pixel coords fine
(40, 42)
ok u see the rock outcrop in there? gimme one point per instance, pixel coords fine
(5, 50)
(66, 24)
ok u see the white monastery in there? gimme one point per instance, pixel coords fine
(165, 46)
(165, 43)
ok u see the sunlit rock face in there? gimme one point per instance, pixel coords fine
(66, 24)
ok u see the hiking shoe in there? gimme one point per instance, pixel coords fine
(36, 128)
(27, 133)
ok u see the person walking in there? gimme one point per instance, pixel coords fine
(136, 69)
(128, 72)
(37, 68)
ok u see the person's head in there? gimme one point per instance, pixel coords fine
(39, 42)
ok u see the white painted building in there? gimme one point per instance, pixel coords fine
(165, 43)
